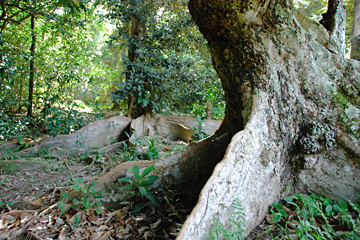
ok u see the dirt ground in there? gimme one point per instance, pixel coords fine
(29, 184)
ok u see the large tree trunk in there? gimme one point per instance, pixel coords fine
(355, 34)
(297, 99)
(292, 116)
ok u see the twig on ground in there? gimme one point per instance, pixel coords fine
(67, 166)
(23, 229)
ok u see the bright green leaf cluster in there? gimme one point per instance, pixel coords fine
(140, 184)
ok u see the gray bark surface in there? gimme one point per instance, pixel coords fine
(296, 102)
(96, 135)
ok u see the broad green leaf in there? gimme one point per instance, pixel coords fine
(277, 205)
(76, 187)
(288, 199)
(142, 191)
(329, 201)
(283, 213)
(342, 204)
(125, 179)
(135, 170)
(298, 196)
(336, 208)
(65, 195)
(151, 197)
(329, 209)
(61, 206)
(139, 180)
(93, 184)
(276, 217)
(84, 190)
(150, 181)
(76, 219)
(98, 211)
(79, 181)
(86, 203)
(314, 196)
(138, 207)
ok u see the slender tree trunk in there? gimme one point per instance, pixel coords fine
(32, 67)
(21, 88)
(136, 29)
(355, 34)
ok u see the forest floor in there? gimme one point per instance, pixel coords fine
(32, 185)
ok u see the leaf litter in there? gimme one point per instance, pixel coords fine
(35, 214)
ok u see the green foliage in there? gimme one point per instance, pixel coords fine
(312, 9)
(130, 151)
(5, 204)
(166, 66)
(215, 95)
(140, 184)
(199, 132)
(237, 222)
(312, 215)
(89, 197)
(67, 58)
(11, 126)
(152, 151)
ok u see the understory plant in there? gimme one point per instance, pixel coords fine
(314, 217)
(5, 204)
(139, 184)
(131, 153)
(88, 197)
(199, 132)
(152, 151)
(237, 223)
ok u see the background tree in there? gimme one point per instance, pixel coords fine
(67, 60)
(165, 67)
(16, 12)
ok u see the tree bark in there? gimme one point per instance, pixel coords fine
(328, 20)
(136, 29)
(282, 87)
(292, 116)
(355, 33)
(32, 67)
(334, 20)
